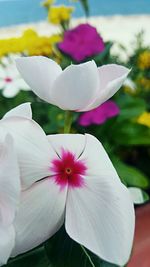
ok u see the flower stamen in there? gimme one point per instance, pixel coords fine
(68, 171)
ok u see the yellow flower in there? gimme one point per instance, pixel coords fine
(11, 45)
(144, 119)
(144, 60)
(59, 14)
(128, 90)
(145, 82)
(40, 46)
(55, 38)
(30, 43)
(29, 33)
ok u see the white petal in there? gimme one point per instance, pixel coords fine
(21, 84)
(96, 159)
(23, 110)
(137, 195)
(111, 78)
(10, 90)
(7, 241)
(76, 87)
(40, 215)
(74, 143)
(11, 71)
(2, 84)
(2, 72)
(33, 148)
(39, 73)
(100, 216)
(9, 182)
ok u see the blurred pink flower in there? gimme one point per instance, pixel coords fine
(99, 115)
(81, 42)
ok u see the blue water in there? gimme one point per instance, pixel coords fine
(22, 11)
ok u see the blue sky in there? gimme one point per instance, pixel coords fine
(22, 11)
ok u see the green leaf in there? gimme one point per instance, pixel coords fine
(85, 4)
(145, 196)
(35, 258)
(130, 107)
(129, 133)
(130, 175)
(107, 264)
(100, 57)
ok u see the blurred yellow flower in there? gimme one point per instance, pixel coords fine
(59, 14)
(144, 60)
(30, 43)
(145, 82)
(128, 90)
(29, 33)
(11, 45)
(144, 119)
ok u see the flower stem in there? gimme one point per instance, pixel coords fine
(88, 256)
(68, 121)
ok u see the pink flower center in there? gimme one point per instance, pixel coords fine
(8, 80)
(68, 170)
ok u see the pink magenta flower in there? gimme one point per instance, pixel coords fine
(80, 87)
(9, 195)
(81, 42)
(99, 115)
(69, 178)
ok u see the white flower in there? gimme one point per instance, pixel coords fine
(79, 87)
(69, 178)
(10, 80)
(22, 111)
(9, 196)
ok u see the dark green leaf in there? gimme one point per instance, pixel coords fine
(145, 196)
(100, 57)
(130, 175)
(128, 133)
(64, 252)
(35, 258)
(130, 107)
(107, 264)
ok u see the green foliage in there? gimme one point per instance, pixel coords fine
(130, 106)
(37, 258)
(130, 175)
(105, 56)
(128, 133)
(145, 196)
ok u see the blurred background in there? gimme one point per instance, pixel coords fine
(24, 11)
(108, 32)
